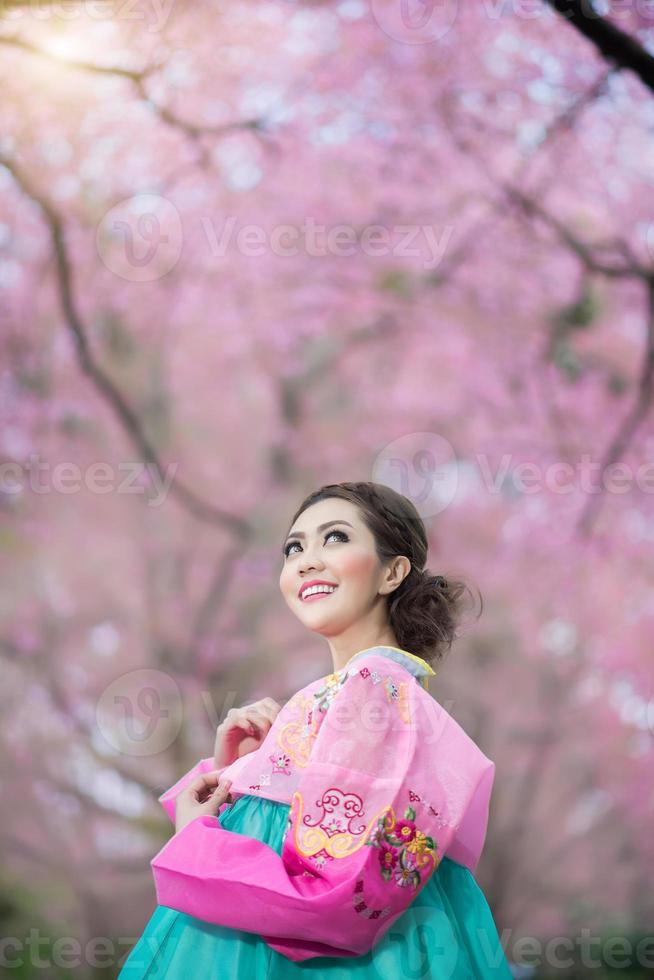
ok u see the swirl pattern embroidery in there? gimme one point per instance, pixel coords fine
(296, 737)
(338, 829)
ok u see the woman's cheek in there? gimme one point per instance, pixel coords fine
(356, 568)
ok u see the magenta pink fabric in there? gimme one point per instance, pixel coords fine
(381, 782)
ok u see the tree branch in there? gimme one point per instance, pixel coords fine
(634, 417)
(612, 42)
(201, 509)
(627, 267)
(138, 78)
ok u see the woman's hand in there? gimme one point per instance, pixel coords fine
(243, 730)
(205, 795)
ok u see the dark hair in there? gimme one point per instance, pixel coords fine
(425, 610)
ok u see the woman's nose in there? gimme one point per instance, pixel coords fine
(310, 561)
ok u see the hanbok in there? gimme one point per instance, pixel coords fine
(349, 849)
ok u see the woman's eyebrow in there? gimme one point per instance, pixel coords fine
(321, 527)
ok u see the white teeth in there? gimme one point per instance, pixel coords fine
(318, 588)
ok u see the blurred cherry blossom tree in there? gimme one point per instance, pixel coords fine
(252, 249)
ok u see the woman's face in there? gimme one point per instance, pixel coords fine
(342, 555)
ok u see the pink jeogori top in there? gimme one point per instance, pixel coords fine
(381, 781)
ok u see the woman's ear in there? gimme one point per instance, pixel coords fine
(398, 570)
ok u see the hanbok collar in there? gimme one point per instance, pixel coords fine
(415, 665)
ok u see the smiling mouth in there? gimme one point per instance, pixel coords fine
(317, 595)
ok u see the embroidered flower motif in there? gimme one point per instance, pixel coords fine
(376, 835)
(264, 781)
(361, 907)
(405, 830)
(332, 685)
(416, 798)
(392, 689)
(387, 856)
(419, 843)
(334, 825)
(407, 876)
(364, 672)
(320, 859)
(281, 763)
(403, 848)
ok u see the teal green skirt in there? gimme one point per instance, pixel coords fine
(448, 931)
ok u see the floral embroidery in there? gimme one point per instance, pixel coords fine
(361, 907)
(416, 798)
(264, 780)
(281, 763)
(326, 694)
(394, 691)
(373, 674)
(404, 850)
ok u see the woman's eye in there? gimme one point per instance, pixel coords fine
(341, 534)
(292, 544)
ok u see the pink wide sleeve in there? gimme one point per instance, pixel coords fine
(353, 856)
(468, 842)
(168, 798)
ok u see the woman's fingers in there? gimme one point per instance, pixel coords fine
(263, 712)
(270, 707)
(247, 718)
(254, 719)
(203, 786)
(259, 721)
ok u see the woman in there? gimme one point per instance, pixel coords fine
(337, 836)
